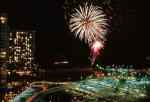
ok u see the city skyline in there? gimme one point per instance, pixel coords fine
(48, 19)
(72, 50)
(16, 46)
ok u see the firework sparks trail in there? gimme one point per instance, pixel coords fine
(95, 51)
(89, 23)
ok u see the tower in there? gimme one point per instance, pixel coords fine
(4, 38)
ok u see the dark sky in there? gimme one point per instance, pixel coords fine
(125, 45)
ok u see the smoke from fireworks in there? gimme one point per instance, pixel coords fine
(90, 24)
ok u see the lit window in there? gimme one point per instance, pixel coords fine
(3, 19)
(3, 54)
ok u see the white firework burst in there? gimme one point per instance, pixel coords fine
(89, 23)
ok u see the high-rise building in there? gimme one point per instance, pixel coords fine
(22, 48)
(4, 38)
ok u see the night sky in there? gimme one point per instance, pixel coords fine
(124, 44)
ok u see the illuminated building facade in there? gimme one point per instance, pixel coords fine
(21, 48)
(4, 38)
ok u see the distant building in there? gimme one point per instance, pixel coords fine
(4, 38)
(22, 47)
(17, 46)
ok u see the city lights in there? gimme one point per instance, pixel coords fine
(16, 59)
(3, 54)
(53, 51)
(21, 48)
(93, 88)
(3, 19)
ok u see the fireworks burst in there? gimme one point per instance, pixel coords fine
(89, 23)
